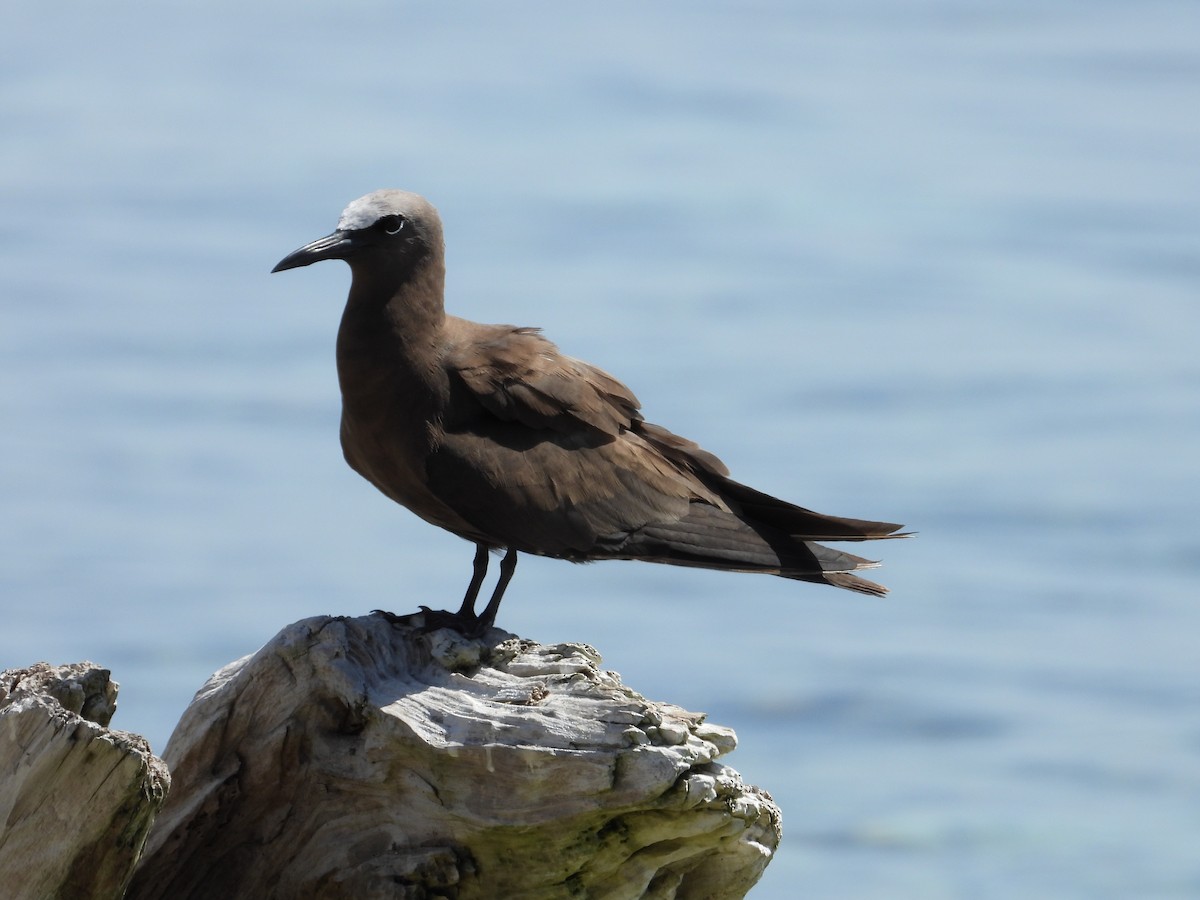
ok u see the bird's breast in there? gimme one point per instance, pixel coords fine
(393, 458)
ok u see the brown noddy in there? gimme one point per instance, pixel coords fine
(490, 432)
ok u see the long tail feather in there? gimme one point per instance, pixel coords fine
(796, 520)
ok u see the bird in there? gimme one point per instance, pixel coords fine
(493, 434)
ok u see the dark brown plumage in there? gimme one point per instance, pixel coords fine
(490, 432)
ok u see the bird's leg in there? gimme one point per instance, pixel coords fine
(508, 566)
(465, 620)
(467, 610)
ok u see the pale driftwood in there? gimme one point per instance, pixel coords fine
(76, 798)
(361, 758)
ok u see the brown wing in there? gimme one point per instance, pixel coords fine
(551, 459)
(520, 376)
(557, 494)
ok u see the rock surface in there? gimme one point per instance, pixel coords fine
(368, 758)
(76, 798)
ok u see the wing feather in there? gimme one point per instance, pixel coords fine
(520, 376)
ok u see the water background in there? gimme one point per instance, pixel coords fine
(926, 262)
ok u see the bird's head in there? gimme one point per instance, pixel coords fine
(385, 229)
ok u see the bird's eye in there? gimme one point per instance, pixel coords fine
(391, 224)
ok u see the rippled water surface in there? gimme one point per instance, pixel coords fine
(935, 263)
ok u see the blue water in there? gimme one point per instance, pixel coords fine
(927, 262)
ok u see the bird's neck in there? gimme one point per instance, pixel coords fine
(390, 340)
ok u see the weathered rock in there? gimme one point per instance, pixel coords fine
(76, 798)
(363, 758)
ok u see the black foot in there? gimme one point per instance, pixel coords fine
(428, 620)
(466, 625)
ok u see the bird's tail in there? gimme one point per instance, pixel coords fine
(763, 534)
